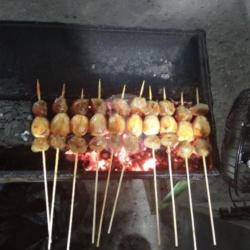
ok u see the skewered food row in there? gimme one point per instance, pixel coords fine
(161, 123)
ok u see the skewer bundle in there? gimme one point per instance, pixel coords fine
(182, 129)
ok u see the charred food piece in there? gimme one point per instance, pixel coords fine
(40, 127)
(201, 126)
(185, 150)
(116, 124)
(151, 125)
(98, 143)
(40, 145)
(135, 125)
(60, 124)
(98, 125)
(40, 108)
(57, 141)
(77, 145)
(185, 131)
(79, 125)
(168, 124)
(152, 141)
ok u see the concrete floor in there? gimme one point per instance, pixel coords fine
(226, 22)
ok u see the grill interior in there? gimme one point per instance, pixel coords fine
(79, 56)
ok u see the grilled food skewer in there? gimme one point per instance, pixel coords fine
(104, 200)
(40, 108)
(153, 142)
(60, 128)
(169, 141)
(184, 151)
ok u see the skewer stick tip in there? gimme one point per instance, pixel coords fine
(63, 90)
(82, 93)
(182, 98)
(38, 90)
(123, 91)
(164, 94)
(150, 93)
(197, 96)
(142, 88)
(99, 89)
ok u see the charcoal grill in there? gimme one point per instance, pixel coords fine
(80, 55)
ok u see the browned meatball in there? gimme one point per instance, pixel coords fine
(201, 126)
(169, 140)
(202, 147)
(139, 105)
(77, 145)
(79, 125)
(57, 142)
(98, 125)
(131, 144)
(40, 144)
(166, 108)
(80, 106)
(185, 131)
(60, 124)
(116, 124)
(40, 108)
(168, 124)
(152, 141)
(40, 127)
(135, 125)
(98, 105)
(153, 108)
(121, 107)
(60, 105)
(185, 150)
(183, 114)
(98, 143)
(151, 125)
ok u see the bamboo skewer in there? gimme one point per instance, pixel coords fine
(209, 200)
(38, 91)
(72, 201)
(156, 201)
(104, 201)
(191, 204)
(142, 88)
(53, 197)
(95, 199)
(207, 185)
(116, 198)
(172, 196)
(182, 99)
(54, 185)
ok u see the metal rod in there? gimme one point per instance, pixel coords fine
(72, 201)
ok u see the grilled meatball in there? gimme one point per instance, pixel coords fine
(80, 106)
(77, 145)
(135, 125)
(60, 105)
(151, 125)
(40, 108)
(152, 141)
(138, 105)
(201, 126)
(183, 114)
(121, 107)
(60, 124)
(98, 143)
(169, 140)
(57, 141)
(98, 125)
(40, 144)
(185, 150)
(115, 142)
(199, 109)
(40, 127)
(168, 124)
(116, 124)
(79, 125)
(152, 108)
(166, 108)
(202, 147)
(98, 105)
(185, 131)
(131, 143)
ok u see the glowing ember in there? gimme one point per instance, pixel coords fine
(148, 164)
